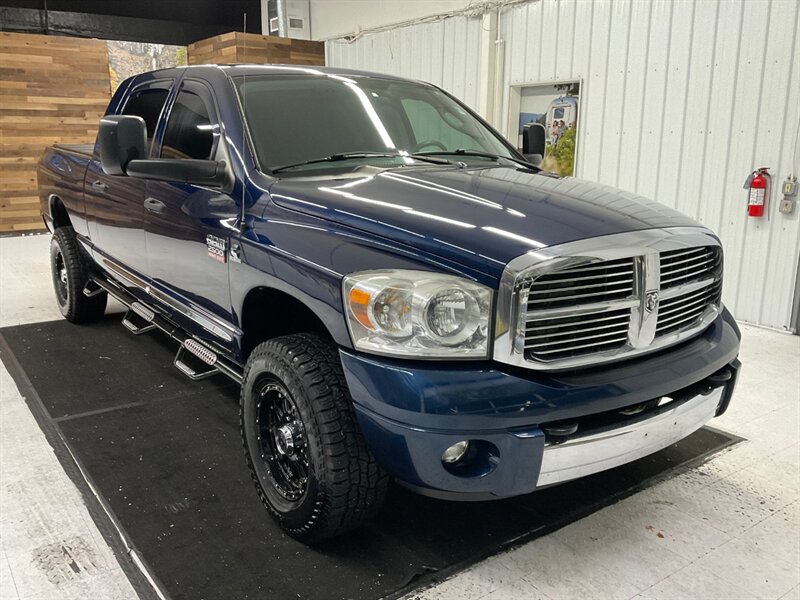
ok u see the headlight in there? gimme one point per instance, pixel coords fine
(417, 313)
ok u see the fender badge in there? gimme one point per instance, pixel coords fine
(216, 248)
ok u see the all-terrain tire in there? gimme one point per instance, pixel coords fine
(344, 486)
(70, 269)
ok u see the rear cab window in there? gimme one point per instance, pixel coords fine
(147, 101)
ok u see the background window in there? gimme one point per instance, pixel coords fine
(189, 131)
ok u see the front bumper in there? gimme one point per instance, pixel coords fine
(613, 446)
(410, 412)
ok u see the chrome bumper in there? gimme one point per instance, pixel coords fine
(600, 450)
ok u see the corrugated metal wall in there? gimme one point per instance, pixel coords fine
(681, 100)
(445, 53)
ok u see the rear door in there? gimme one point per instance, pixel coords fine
(116, 203)
(189, 227)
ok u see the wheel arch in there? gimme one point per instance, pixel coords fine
(58, 212)
(269, 312)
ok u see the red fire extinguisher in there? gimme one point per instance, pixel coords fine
(758, 186)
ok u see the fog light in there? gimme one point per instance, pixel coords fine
(455, 452)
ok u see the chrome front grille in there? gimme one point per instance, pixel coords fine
(603, 299)
(697, 275)
(562, 337)
(683, 311)
(554, 330)
(679, 267)
(603, 282)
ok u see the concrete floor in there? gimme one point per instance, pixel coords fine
(728, 529)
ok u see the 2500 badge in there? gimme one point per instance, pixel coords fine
(216, 247)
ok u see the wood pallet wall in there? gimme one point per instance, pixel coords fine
(52, 90)
(55, 89)
(237, 48)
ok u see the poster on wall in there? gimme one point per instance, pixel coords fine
(556, 107)
(126, 59)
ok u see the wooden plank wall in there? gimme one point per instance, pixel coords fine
(55, 89)
(52, 90)
(237, 48)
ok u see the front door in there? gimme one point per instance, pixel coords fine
(189, 227)
(115, 204)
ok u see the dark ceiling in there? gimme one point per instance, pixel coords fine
(157, 21)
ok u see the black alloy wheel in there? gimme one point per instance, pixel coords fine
(69, 266)
(282, 438)
(60, 279)
(309, 462)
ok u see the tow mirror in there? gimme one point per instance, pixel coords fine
(533, 141)
(213, 173)
(121, 138)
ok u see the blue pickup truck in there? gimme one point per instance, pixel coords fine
(400, 292)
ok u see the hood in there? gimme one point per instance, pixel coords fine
(479, 217)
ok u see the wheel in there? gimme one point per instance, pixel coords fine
(307, 457)
(70, 275)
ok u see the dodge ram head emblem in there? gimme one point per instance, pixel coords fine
(650, 300)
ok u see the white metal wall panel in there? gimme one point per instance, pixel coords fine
(445, 53)
(654, 99)
(780, 85)
(681, 100)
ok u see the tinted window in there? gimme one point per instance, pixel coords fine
(432, 131)
(295, 118)
(189, 131)
(147, 103)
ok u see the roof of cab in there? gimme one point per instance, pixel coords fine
(256, 69)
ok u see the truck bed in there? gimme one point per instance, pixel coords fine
(61, 172)
(82, 149)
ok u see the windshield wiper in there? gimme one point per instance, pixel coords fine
(350, 155)
(463, 152)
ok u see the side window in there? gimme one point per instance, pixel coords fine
(189, 132)
(147, 103)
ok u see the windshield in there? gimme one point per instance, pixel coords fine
(296, 118)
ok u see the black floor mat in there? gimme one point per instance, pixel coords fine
(166, 456)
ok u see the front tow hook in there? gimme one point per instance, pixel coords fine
(557, 433)
(718, 379)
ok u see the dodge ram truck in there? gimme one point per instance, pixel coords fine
(401, 293)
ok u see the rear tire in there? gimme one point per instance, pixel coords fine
(308, 459)
(70, 271)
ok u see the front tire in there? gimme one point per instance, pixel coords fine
(70, 273)
(307, 457)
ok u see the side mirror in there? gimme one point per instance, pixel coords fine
(533, 143)
(122, 138)
(183, 170)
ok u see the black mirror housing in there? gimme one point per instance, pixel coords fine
(533, 142)
(121, 139)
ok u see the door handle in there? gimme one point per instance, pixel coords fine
(99, 187)
(155, 206)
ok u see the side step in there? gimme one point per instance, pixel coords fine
(139, 319)
(92, 289)
(195, 360)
